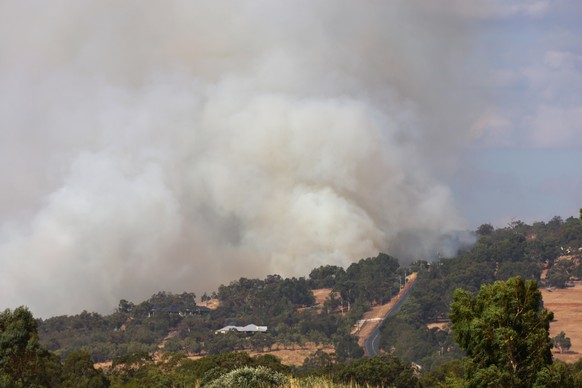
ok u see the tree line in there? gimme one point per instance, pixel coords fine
(503, 331)
(286, 305)
(517, 249)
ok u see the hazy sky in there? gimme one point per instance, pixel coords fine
(176, 145)
(527, 161)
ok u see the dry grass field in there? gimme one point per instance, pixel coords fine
(293, 356)
(296, 356)
(567, 307)
(321, 294)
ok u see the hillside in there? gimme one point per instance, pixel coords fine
(319, 311)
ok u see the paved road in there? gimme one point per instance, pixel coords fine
(371, 344)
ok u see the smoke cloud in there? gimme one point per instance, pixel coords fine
(160, 145)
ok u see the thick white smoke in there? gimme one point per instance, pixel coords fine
(175, 145)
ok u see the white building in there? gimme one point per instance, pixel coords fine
(252, 328)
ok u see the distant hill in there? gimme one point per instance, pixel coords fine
(550, 252)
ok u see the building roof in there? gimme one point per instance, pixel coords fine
(251, 328)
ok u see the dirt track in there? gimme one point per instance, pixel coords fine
(378, 313)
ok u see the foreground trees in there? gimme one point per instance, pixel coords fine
(504, 331)
(382, 370)
(78, 371)
(23, 362)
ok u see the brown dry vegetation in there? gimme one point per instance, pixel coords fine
(297, 356)
(321, 294)
(439, 325)
(294, 356)
(104, 366)
(211, 304)
(567, 307)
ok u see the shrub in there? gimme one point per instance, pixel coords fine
(247, 377)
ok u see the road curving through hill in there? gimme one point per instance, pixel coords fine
(368, 331)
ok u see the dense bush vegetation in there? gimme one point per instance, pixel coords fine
(24, 363)
(284, 305)
(59, 351)
(498, 254)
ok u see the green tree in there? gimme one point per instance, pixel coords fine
(23, 362)
(249, 377)
(260, 341)
(528, 269)
(557, 375)
(562, 343)
(382, 370)
(504, 331)
(272, 362)
(559, 274)
(78, 371)
(485, 230)
(223, 343)
(452, 370)
(319, 361)
(325, 276)
(125, 306)
(346, 345)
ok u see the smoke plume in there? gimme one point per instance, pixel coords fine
(176, 145)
